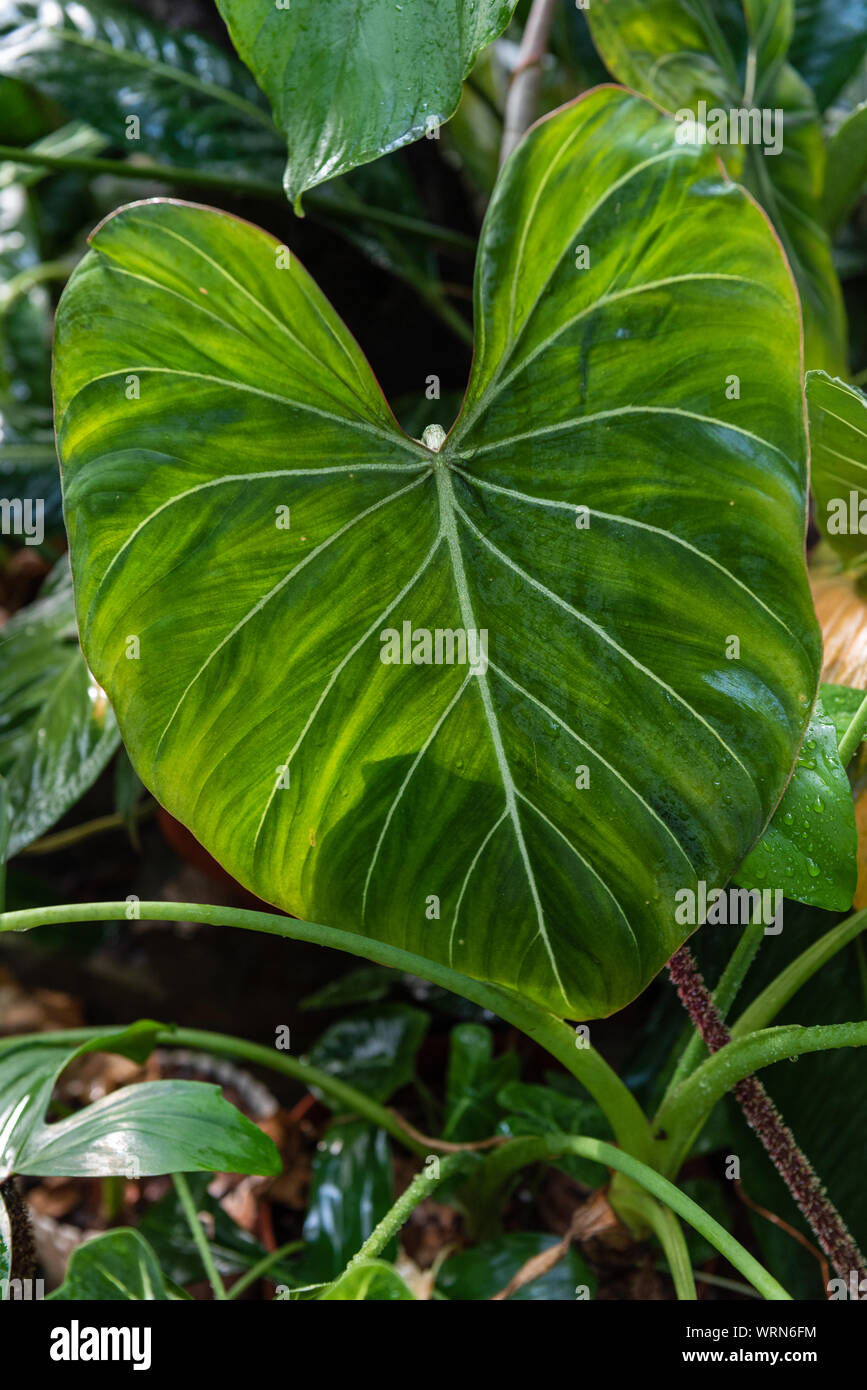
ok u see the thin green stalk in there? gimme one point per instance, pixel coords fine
(62, 839)
(854, 734)
(185, 1197)
(31, 276)
(259, 188)
(501, 1164)
(223, 1045)
(262, 1266)
(422, 1185)
(724, 996)
(689, 1106)
(439, 305)
(628, 1121)
(647, 1211)
(152, 172)
(112, 1198)
(348, 1097)
(768, 1004)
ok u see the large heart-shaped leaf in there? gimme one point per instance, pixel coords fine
(609, 544)
(325, 70)
(57, 730)
(152, 1127)
(838, 464)
(732, 57)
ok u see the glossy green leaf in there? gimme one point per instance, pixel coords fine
(434, 804)
(846, 168)
(369, 1281)
(809, 850)
(733, 58)
(533, 1109)
(477, 1274)
(366, 985)
(838, 464)
(104, 63)
(374, 1051)
(117, 1267)
(324, 69)
(28, 458)
(57, 731)
(151, 1127)
(473, 1082)
(352, 1190)
(829, 44)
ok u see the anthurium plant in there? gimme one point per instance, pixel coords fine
(513, 695)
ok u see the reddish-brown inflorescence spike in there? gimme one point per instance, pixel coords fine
(763, 1117)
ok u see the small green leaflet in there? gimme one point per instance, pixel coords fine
(57, 729)
(809, 851)
(150, 1127)
(324, 68)
(117, 1267)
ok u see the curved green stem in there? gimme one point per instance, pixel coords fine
(224, 1045)
(626, 1117)
(633, 1201)
(327, 203)
(62, 839)
(689, 1106)
(185, 1197)
(422, 1185)
(355, 1101)
(501, 1164)
(854, 734)
(258, 1270)
(778, 993)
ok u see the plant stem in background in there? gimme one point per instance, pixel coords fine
(764, 1118)
(667, 1229)
(499, 1167)
(62, 839)
(236, 188)
(185, 1197)
(850, 741)
(776, 996)
(422, 1185)
(610, 1092)
(523, 90)
(258, 1270)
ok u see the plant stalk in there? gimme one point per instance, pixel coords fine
(185, 1197)
(500, 1166)
(612, 1095)
(237, 188)
(724, 996)
(776, 996)
(764, 1118)
(523, 92)
(422, 1185)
